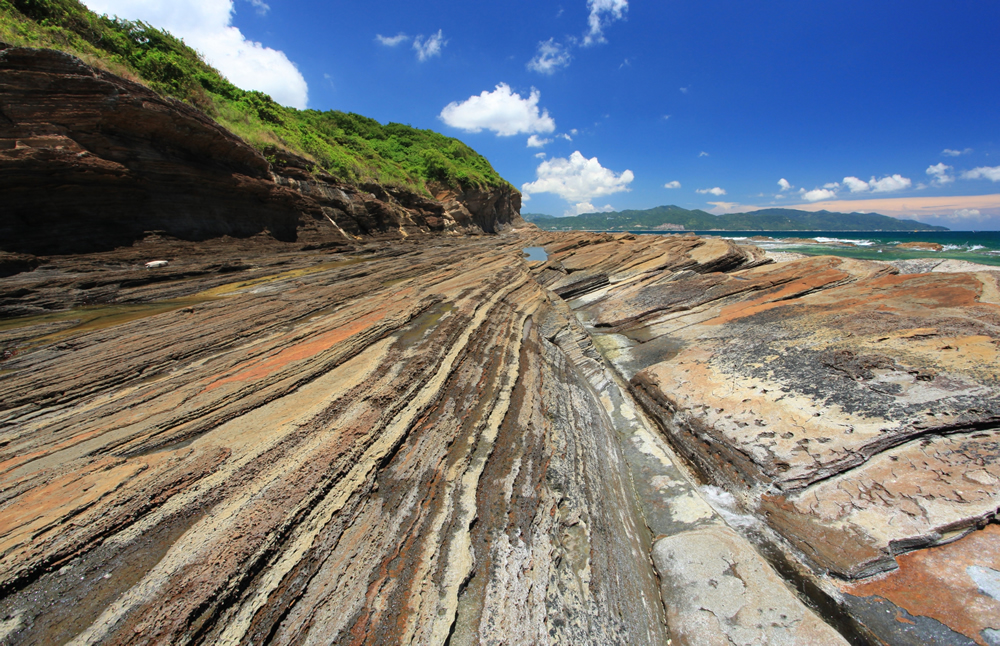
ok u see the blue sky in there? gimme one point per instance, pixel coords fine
(885, 106)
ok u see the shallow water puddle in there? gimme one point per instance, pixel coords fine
(533, 254)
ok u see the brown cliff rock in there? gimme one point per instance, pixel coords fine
(90, 161)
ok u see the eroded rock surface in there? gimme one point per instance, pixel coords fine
(854, 410)
(439, 441)
(384, 448)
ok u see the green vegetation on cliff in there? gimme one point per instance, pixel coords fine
(669, 218)
(350, 147)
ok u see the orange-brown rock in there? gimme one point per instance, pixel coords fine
(920, 246)
(853, 410)
(383, 447)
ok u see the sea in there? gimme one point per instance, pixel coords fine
(981, 247)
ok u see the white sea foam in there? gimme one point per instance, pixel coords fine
(860, 243)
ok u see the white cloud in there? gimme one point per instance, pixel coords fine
(550, 58)
(784, 184)
(955, 153)
(587, 207)
(832, 185)
(502, 111)
(392, 41)
(684, 90)
(889, 184)
(430, 47)
(983, 172)
(206, 25)
(714, 191)
(602, 14)
(577, 180)
(817, 194)
(574, 131)
(940, 174)
(534, 141)
(703, 154)
(261, 6)
(565, 136)
(540, 155)
(673, 184)
(856, 185)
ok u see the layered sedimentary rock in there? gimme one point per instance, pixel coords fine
(91, 161)
(384, 448)
(853, 410)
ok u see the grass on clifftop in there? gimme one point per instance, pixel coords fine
(351, 147)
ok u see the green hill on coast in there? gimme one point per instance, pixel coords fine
(674, 218)
(348, 146)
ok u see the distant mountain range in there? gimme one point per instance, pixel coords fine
(674, 218)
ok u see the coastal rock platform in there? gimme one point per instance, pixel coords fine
(640, 439)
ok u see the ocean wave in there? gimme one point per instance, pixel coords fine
(859, 243)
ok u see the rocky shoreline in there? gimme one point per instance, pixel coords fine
(437, 440)
(241, 402)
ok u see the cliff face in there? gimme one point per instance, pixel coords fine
(91, 161)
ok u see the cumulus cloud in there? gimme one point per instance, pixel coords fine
(587, 207)
(206, 25)
(534, 141)
(784, 184)
(577, 180)
(673, 184)
(817, 194)
(703, 154)
(550, 58)
(540, 155)
(392, 41)
(856, 185)
(602, 14)
(948, 152)
(502, 111)
(713, 191)
(887, 184)
(983, 172)
(939, 173)
(430, 47)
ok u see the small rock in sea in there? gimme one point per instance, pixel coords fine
(921, 246)
(153, 264)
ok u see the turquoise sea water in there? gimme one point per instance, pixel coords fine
(974, 246)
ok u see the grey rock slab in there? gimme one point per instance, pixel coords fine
(718, 590)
